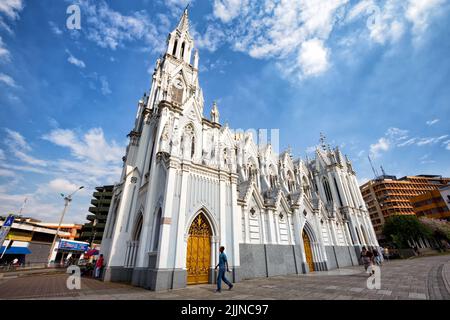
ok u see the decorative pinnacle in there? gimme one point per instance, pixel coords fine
(322, 141)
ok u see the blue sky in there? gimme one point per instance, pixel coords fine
(372, 75)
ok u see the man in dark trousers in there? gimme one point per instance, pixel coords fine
(223, 261)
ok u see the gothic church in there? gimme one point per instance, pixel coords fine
(189, 185)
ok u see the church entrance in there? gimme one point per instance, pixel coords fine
(308, 251)
(198, 256)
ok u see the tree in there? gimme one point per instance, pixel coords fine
(440, 229)
(401, 228)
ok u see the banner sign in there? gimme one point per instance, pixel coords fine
(5, 228)
(74, 246)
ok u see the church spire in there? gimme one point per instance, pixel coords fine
(183, 25)
(180, 43)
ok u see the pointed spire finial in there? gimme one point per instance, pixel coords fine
(322, 141)
(214, 113)
(184, 21)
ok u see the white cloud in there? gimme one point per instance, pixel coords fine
(287, 31)
(20, 148)
(431, 122)
(91, 146)
(111, 29)
(11, 8)
(447, 144)
(177, 6)
(7, 80)
(407, 142)
(4, 52)
(430, 140)
(425, 159)
(92, 161)
(104, 86)
(54, 27)
(419, 13)
(77, 62)
(210, 40)
(381, 146)
(2, 155)
(58, 185)
(227, 10)
(313, 57)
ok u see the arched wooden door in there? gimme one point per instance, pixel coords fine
(198, 256)
(308, 251)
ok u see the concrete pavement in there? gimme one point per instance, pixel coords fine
(418, 278)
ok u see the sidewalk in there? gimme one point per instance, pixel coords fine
(419, 279)
(29, 272)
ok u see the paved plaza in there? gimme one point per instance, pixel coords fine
(418, 278)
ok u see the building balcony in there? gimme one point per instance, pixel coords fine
(102, 210)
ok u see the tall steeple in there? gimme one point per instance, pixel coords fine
(180, 43)
(183, 25)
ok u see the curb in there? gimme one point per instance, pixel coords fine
(446, 276)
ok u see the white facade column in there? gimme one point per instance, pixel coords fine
(297, 232)
(290, 235)
(222, 208)
(277, 227)
(271, 227)
(181, 245)
(263, 228)
(236, 222)
(247, 224)
(166, 220)
(119, 236)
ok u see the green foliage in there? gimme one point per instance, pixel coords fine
(401, 228)
(440, 229)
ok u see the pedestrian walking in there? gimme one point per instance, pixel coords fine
(386, 253)
(367, 260)
(98, 267)
(223, 267)
(376, 257)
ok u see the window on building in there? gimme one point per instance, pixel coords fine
(174, 52)
(326, 187)
(157, 228)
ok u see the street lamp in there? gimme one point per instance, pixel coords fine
(94, 224)
(67, 200)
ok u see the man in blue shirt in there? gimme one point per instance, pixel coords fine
(223, 261)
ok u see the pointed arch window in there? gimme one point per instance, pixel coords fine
(175, 45)
(326, 188)
(183, 45)
(192, 147)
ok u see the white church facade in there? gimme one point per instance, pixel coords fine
(190, 185)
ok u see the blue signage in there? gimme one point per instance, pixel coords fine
(74, 246)
(9, 221)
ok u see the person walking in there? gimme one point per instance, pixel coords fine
(367, 259)
(98, 267)
(386, 253)
(376, 257)
(223, 267)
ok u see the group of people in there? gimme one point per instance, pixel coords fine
(371, 257)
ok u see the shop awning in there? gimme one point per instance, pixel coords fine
(15, 250)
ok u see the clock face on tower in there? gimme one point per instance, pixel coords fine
(178, 84)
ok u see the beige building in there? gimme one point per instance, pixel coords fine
(387, 196)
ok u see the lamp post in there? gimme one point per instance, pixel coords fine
(94, 224)
(67, 200)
